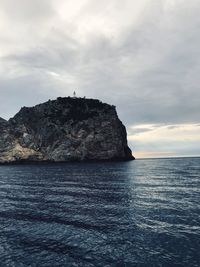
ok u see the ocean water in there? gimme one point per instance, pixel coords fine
(139, 213)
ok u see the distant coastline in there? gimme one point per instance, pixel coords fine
(174, 157)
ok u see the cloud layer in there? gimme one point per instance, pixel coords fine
(161, 140)
(143, 56)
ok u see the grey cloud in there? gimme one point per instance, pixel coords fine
(24, 10)
(27, 90)
(136, 131)
(172, 127)
(150, 71)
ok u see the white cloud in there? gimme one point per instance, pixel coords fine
(165, 140)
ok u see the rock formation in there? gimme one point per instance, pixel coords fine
(65, 129)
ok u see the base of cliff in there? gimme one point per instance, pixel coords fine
(47, 162)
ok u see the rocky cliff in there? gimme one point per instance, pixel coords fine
(65, 129)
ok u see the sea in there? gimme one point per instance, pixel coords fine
(139, 213)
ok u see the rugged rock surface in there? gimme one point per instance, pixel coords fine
(65, 129)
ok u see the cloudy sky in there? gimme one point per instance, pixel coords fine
(141, 55)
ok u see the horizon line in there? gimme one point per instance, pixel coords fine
(176, 157)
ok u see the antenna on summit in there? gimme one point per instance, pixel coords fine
(74, 94)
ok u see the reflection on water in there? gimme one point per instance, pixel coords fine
(141, 213)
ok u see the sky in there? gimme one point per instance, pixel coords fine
(141, 55)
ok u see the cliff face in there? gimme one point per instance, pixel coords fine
(66, 129)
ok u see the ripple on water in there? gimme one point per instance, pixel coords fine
(141, 213)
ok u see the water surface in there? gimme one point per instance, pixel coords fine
(140, 213)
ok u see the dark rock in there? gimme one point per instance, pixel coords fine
(66, 129)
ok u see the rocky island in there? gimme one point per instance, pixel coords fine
(62, 130)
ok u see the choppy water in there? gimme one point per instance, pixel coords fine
(141, 213)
